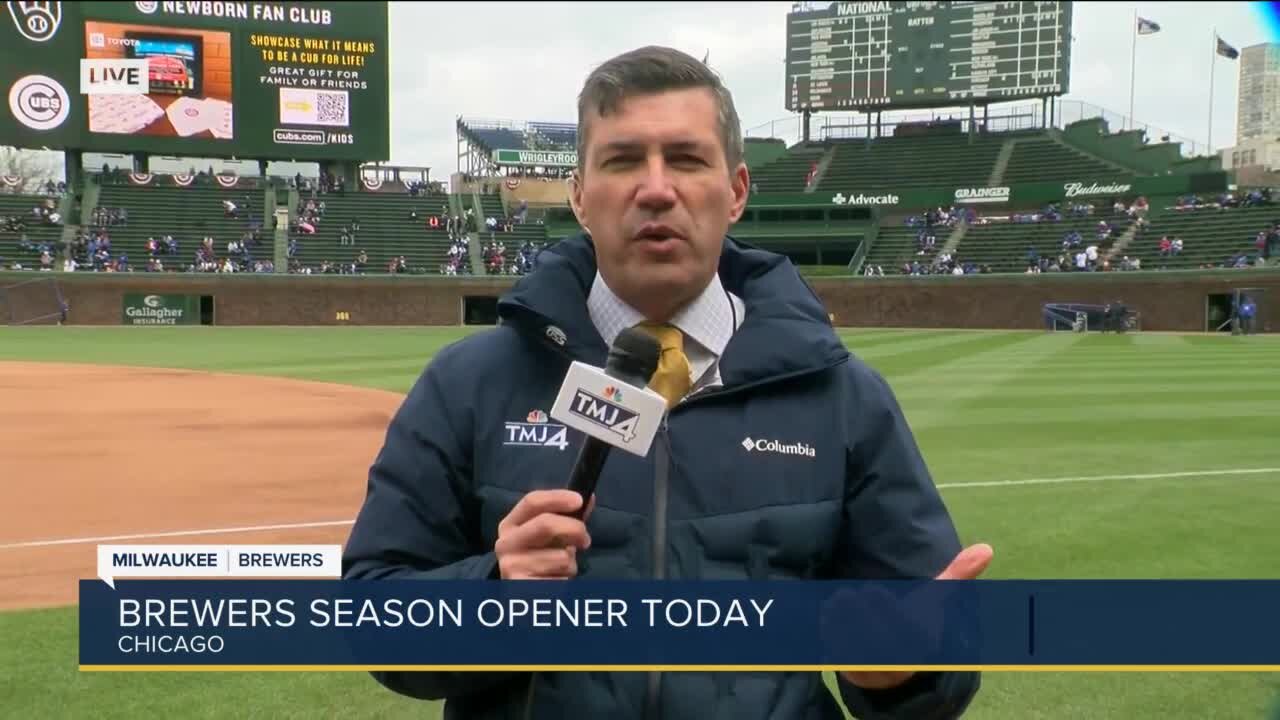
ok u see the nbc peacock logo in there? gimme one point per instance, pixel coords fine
(613, 393)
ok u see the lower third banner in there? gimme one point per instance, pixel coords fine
(484, 625)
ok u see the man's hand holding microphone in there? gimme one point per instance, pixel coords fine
(542, 535)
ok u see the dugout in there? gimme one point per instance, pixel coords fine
(479, 310)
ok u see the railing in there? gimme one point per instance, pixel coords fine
(1007, 118)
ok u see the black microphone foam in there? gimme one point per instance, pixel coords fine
(633, 359)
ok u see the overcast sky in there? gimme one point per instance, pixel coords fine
(533, 61)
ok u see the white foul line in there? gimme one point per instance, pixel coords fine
(336, 523)
(1098, 478)
(178, 533)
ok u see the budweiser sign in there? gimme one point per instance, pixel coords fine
(1076, 189)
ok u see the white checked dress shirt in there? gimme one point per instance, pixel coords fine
(707, 323)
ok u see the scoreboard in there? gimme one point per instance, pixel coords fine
(883, 55)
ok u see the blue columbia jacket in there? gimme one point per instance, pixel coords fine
(472, 437)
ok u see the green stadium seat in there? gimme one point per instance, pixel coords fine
(38, 233)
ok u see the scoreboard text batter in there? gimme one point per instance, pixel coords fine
(878, 55)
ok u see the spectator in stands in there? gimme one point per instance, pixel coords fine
(1175, 247)
(1227, 200)
(1091, 255)
(1165, 245)
(361, 261)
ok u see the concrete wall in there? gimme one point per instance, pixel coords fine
(1172, 301)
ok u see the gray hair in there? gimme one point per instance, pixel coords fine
(650, 70)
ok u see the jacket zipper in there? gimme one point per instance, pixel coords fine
(528, 697)
(661, 478)
(662, 458)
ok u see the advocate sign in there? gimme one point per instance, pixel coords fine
(142, 309)
(865, 199)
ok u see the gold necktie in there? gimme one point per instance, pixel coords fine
(674, 375)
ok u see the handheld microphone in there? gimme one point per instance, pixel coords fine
(614, 408)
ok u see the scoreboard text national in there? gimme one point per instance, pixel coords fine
(881, 55)
(268, 80)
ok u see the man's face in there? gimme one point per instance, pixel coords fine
(657, 195)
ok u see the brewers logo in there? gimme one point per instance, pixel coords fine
(37, 21)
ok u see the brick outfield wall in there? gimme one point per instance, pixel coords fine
(1167, 301)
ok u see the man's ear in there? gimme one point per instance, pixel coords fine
(740, 187)
(575, 198)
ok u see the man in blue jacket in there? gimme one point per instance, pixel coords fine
(782, 457)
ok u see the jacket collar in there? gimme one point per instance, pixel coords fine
(786, 330)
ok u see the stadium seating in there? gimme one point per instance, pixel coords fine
(896, 244)
(895, 164)
(555, 136)
(1003, 244)
(491, 205)
(496, 135)
(385, 233)
(1042, 160)
(495, 138)
(788, 172)
(38, 233)
(189, 214)
(1210, 235)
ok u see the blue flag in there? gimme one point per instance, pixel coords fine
(1147, 27)
(1226, 50)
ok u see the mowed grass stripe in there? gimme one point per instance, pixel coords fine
(1015, 392)
(926, 355)
(247, 350)
(859, 343)
(966, 386)
(1125, 529)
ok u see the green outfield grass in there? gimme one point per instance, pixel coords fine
(986, 407)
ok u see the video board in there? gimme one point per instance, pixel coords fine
(303, 80)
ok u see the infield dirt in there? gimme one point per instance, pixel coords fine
(89, 451)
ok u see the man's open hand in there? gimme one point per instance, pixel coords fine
(968, 565)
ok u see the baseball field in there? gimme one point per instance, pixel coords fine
(1076, 456)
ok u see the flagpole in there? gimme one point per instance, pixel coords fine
(1213, 62)
(1133, 64)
